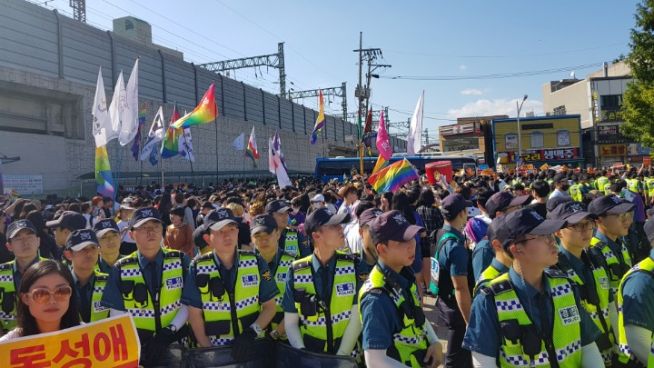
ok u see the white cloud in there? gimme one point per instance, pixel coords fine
(472, 92)
(463, 67)
(498, 106)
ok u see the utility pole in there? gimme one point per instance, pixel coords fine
(270, 60)
(363, 92)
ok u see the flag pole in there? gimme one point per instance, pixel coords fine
(215, 123)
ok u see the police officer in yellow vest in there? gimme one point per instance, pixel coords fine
(501, 262)
(395, 330)
(108, 235)
(150, 283)
(230, 293)
(587, 271)
(265, 235)
(612, 224)
(635, 320)
(290, 240)
(529, 316)
(320, 302)
(23, 242)
(82, 250)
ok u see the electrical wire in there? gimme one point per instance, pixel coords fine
(494, 75)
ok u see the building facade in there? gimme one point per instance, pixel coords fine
(48, 70)
(470, 136)
(598, 101)
(554, 140)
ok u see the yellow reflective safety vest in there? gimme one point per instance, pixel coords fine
(489, 274)
(521, 345)
(603, 183)
(151, 312)
(649, 186)
(323, 322)
(226, 314)
(617, 265)
(411, 341)
(595, 300)
(291, 244)
(625, 354)
(633, 185)
(575, 192)
(8, 296)
(281, 277)
(98, 311)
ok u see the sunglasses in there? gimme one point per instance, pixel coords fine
(43, 295)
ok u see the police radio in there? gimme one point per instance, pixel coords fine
(7, 301)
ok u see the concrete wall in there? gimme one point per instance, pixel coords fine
(575, 98)
(47, 54)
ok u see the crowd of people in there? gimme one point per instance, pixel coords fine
(549, 268)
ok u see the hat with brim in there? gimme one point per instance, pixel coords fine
(219, 218)
(322, 217)
(571, 212)
(104, 226)
(80, 246)
(547, 227)
(103, 232)
(143, 215)
(220, 224)
(80, 239)
(263, 223)
(16, 226)
(394, 226)
(520, 201)
(621, 208)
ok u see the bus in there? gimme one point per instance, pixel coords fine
(328, 168)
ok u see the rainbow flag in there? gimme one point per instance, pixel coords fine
(320, 120)
(380, 164)
(205, 112)
(170, 144)
(251, 149)
(136, 143)
(392, 177)
(104, 181)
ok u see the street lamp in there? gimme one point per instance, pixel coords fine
(519, 107)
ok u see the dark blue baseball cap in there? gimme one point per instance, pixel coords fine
(609, 205)
(369, 215)
(527, 221)
(15, 227)
(453, 204)
(278, 205)
(322, 217)
(500, 201)
(68, 220)
(571, 212)
(218, 218)
(392, 225)
(143, 215)
(80, 239)
(104, 226)
(263, 223)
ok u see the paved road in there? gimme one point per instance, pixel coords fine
(431, 314)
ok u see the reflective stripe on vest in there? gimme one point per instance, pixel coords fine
(333, 314)
(575, 192)
(412, 337)
(170, 293)
(625, 354)
(245, 298)
(489, 274)
(649, 183)
(7, 315)
(566, 332)
(98, 311)
(291, 244)
(598, 313)
(281, 276)
(612, 260)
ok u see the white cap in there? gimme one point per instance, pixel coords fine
(318, 198)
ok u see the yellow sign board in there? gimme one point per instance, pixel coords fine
(112, 342)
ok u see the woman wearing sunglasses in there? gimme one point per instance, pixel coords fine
(44, 302)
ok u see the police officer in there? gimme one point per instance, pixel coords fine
(635, 299)
(62, 226)
(150, 282)
(501, 262)
(395, 331)
(611, 213)
(455, 281)
(529, 316)
(230, 292)
(108, 236)
(23, 242)
(586, 271)
(265, 236)
(290, 240)
(82, 250)
(320, 302)
(498, 205)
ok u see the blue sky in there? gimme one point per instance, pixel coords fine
(418, 38)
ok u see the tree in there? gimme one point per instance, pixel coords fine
(638, 100)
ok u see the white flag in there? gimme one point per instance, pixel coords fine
(282, 177)
(130, 119)
(414, 141)
(272, 166)
(186, 145)
(155, 135)
(101, 118)
(239, 142)
(116, 108)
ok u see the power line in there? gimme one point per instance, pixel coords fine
(495, 75)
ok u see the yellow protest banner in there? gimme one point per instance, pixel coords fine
(112, 342)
